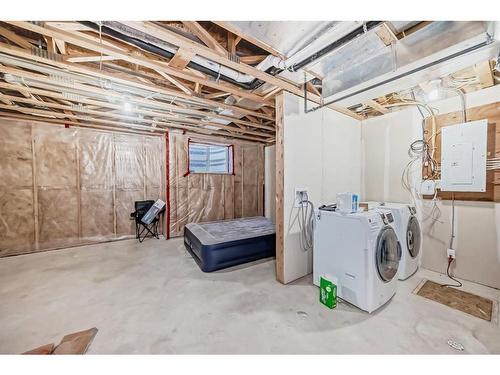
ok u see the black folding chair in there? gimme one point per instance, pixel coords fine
(143, 230)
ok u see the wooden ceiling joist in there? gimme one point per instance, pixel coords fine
(258, 43)
(49, 116)
(376, 106)
(125, 117)
(106, 93)
(125, 81)
(139, 60)
(88, 58)
(181, 58)
(13, 37)
(205, 36)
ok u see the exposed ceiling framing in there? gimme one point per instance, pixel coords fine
(74, 72)
(68, 71)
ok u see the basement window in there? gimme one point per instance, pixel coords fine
(210, 158)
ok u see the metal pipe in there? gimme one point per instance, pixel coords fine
(336, 44)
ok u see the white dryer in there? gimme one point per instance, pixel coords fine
(360, 253)
(409, 235)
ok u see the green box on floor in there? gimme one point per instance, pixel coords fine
(327, 293)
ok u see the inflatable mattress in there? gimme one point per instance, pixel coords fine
(220, 244)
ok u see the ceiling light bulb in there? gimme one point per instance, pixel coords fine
(433, 94)
(127, 107)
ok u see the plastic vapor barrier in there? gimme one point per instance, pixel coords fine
(199, 197)
(63, 187)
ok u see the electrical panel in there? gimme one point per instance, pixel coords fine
(463, 156)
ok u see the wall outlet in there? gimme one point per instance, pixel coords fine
(300, 195)
(426, 187)
(450, 253)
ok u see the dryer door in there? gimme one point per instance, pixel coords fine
(413, 236)
(388, 253)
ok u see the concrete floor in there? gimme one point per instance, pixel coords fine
(152, 298)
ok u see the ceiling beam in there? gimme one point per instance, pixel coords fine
(31, 113)
(180, 41)
(120, 115)
(205, 36)
(181, 58)
(88, 58)
(157, 65)
(85, 89)
(15, 51)
(13, 37)
(252, 59)
(376, 106)
(80, 124)
(229, 27)
(175, 82)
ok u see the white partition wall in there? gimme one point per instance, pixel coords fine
(322, 153)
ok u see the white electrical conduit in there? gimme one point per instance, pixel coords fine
(81, 78)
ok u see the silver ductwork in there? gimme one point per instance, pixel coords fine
(363, 69)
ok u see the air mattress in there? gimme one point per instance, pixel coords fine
(221, 244)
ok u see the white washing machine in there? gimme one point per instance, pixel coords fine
(360, 253)
(409, 235)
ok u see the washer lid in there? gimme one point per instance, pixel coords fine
(388, 253)
(413, 236)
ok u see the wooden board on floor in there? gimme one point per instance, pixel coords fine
(457, 299)
(41, 350)
(76, 343)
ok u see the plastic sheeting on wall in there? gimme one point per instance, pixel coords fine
(200, 197)
(62, 187)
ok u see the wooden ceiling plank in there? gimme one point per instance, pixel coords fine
(61, 46)
(376, 106)
(31, 112)
(181, 58)
(313, 88)
(248, 38)
(205, 36)
(88, 58)
(485, 74)
(13, 37)
(180, 41)
(5, 48)
(173, 38)
(175, 82)
(124, 116)
(252, 59)
(80, 124)
(149, 63)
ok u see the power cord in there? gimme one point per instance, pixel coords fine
(459, 284)
(452, 238)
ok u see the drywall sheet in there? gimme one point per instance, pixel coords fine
(322, 153)
(61, 186)
(197, 197)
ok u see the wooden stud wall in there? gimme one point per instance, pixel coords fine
(280, 217)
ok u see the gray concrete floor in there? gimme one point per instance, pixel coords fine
(152, 298)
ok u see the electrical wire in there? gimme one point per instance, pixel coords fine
(458, 283)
